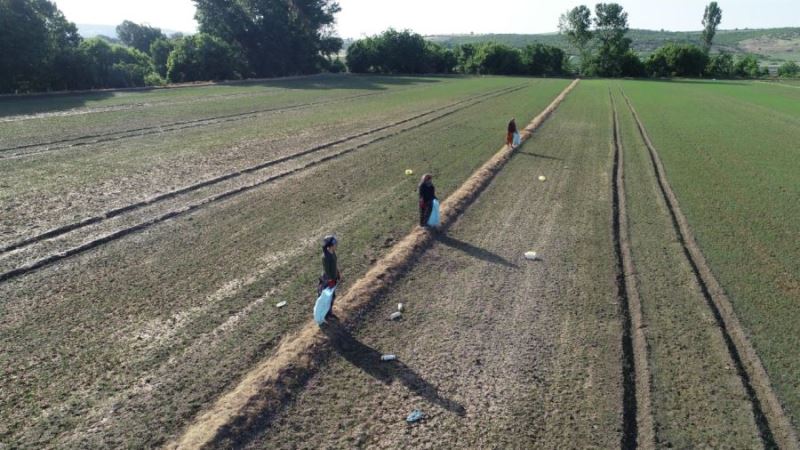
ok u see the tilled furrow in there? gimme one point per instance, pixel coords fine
(19, 263)
(775, 430)
(99, 138)
(637, 413)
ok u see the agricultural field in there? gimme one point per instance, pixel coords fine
(730, 152)
(147, 237)
(140, 318)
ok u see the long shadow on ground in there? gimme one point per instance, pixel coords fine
(474, 251)
(368, 359)
(539, 156)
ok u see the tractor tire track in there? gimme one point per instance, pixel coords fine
(638, 425)
(189, 208)
(91, 139)
(774, 427)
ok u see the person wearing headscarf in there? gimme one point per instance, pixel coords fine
(330, 268)
(427, 193)
(512, 130)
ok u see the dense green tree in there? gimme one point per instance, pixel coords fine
(362, 55)
(611, 25)
(540, 59)
(337, 66)
(720, 66)
(711, 20)
(682, 60)
(465, 57)
(439, 59)
(747, 67)
(498, 59)
(115, 66)
(632, 65)
(789, 69)
(399, 52)
(277, 37)
(159, 52)
(576, 25)
(138, 36)
(203, 57)
(35, 37)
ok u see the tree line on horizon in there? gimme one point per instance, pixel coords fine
(42, 51)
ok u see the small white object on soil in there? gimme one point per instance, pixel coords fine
(415, 416)
(399, 306)
(395, 315)
(280, 305)
(542, 178)
(531, 256)
(409, 172)
(389, 357)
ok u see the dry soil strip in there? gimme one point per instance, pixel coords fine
(56, 257)
(639, 431)
(73, 142)
(774, 427)
(273, 381)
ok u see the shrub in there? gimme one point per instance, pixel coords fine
(204, 57)
(720, 66)
(683, 60)
(789, 69)
(748, 67)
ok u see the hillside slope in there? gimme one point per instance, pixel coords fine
(770, 45)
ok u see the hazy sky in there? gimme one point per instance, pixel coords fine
(366, 17)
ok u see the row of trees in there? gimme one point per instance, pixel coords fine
(604, 49)
(267, 38)
(246, 38)
(686, 60)
(407, 52)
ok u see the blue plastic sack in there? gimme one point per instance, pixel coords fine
(433, 221)
(323, 305)
(517, 139)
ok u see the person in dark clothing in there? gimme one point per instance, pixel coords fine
(512, 129)
(330, 268)
(427, 193)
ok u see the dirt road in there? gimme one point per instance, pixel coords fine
(496, 350)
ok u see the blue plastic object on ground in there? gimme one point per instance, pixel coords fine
(323, 305)
(415, 416)
(433, 221)
(517, 139)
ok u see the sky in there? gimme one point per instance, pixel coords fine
(367, 17)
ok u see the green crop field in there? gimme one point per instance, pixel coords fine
(147, 237)
(731, 151)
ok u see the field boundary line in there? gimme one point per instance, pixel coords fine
(774, 426)
(55, 257)
(274, 380)
(640, 434)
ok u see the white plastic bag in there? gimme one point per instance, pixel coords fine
(433, 221)
(323, 305)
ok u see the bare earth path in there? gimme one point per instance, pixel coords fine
(496, 350)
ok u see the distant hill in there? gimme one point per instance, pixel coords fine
(770, 45)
